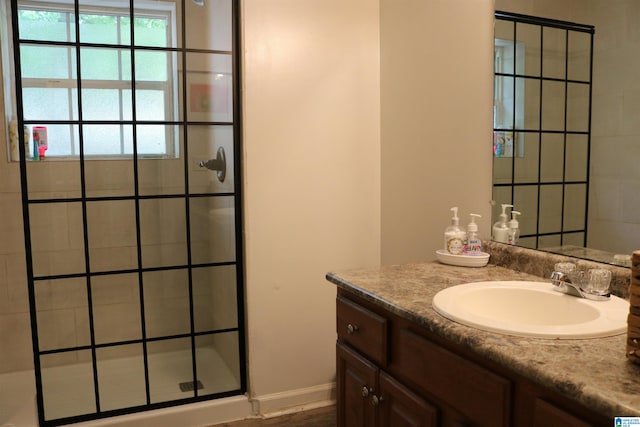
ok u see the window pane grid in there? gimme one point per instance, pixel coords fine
(106, 74)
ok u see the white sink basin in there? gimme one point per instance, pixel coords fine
(531, 309)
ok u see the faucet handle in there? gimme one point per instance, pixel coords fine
(565, 267)
(599, 280)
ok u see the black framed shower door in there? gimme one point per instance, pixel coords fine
(133, 216)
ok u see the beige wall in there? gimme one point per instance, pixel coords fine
(436, 102)
(312, 177)
(312, 111)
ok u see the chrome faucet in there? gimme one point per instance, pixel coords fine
(563, 282)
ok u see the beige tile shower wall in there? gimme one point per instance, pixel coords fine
(614, 222)
(116, 298)
(57, 239)
(15, 335)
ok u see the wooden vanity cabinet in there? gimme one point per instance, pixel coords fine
(393, 373)
(367, 395)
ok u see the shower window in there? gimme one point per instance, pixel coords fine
(49, 74)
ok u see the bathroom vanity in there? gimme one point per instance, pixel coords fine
(401, 363)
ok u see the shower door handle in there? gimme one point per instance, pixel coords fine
(219, 164)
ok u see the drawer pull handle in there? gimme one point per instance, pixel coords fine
(375, 400)
(366, 390)
(352, 329)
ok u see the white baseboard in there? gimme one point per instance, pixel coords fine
(197, 414)
(275, 404)
(225, 410)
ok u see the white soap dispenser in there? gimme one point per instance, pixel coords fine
(514, 229)
(474, 244)
(500, 231)
(454, 236)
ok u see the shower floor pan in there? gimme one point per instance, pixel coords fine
(68, 390)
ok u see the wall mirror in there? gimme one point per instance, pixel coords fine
(566, 102)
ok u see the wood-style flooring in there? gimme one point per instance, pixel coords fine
(321, 417)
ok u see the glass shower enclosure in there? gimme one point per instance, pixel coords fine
(131, 197)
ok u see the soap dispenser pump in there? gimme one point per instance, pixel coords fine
(500, 231)
(454, 236)
(514, 228)
(474, 244)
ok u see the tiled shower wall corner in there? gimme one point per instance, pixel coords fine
(15, 331)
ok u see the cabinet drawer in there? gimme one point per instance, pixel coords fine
(474, 392)
(362, 329)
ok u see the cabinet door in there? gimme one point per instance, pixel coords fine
(400, 407)
(471, 390)
(356, 385)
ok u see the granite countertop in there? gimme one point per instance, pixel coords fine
(594, 372)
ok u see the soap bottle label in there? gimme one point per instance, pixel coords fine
(474, 246)
(455, 246)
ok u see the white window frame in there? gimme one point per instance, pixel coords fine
(143, 8)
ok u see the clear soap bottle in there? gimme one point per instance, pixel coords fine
(454, 236)
(474, 244)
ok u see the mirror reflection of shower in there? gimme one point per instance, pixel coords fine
(614, 179)
(542, 86)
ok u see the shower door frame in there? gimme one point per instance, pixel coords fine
(238, 262)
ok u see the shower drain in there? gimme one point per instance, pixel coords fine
(190, 386)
